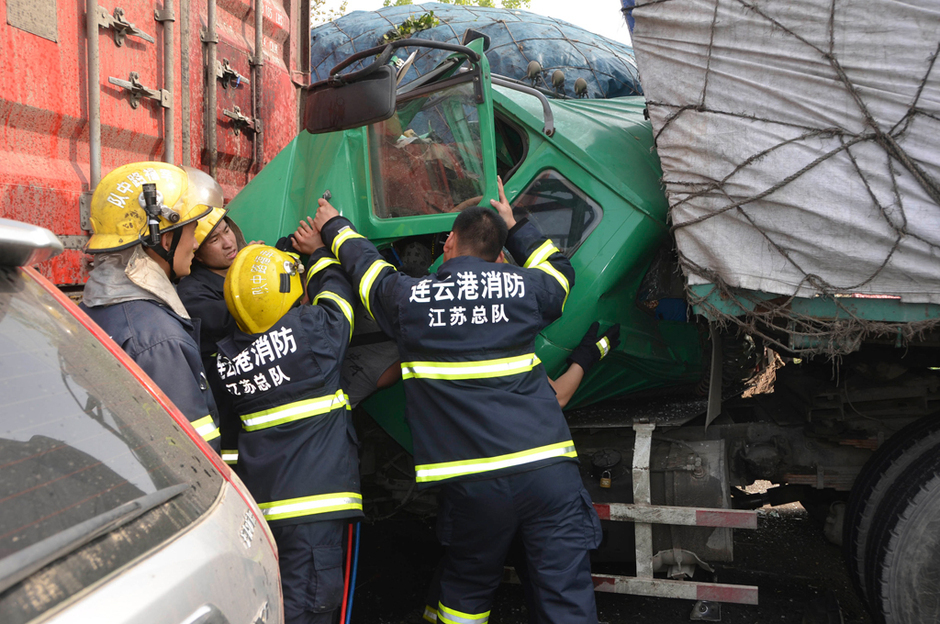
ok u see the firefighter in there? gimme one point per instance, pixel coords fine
(486, 424)
(589, 352)
(371, 361)
(218, 240)
(297, 451)
(143, 217)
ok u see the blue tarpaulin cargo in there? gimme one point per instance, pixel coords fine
(516, 38)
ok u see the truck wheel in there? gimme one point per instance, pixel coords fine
(878, 477)
(904, 547)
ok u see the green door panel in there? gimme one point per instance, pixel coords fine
(287, 189)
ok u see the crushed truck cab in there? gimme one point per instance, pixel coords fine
(585, 173)
(582, 170)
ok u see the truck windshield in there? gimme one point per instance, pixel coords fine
(427, 158)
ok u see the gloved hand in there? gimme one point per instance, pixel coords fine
(593, 349)
(285, 243)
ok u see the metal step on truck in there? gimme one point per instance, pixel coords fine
(765, 216)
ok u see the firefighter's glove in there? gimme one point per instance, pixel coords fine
(593, 348)
(285, 243)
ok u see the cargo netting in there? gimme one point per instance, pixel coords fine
(516, 38)
(800, 145)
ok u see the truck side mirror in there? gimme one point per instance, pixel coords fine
(470, 35)
(344, 105)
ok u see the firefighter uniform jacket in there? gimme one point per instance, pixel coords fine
(203, 294)
(166, 346)
(297, 451)
(478, 399)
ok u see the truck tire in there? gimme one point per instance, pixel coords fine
(878, 477)
(904, 546)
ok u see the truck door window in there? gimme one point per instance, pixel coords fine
(427, 158)
(511, 148)
(559, 210)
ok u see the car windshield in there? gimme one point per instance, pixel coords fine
(427, 159)
(79, 437)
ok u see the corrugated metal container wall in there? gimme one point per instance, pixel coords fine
(50, 159)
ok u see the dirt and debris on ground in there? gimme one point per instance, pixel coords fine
(801, 576)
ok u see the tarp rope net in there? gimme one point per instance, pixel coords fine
(801, 162)
(516, 38)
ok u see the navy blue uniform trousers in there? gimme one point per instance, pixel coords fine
(553, 515)
(311, 562)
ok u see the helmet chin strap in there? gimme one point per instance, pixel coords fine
(169, 255)
(151, 200)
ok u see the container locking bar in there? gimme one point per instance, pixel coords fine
(138, 91)
(228, 76)
(240, 121)
(121, 27)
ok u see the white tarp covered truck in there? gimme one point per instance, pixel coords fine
(800, 145)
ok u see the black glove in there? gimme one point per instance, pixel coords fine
(285, 243)
(593, 349)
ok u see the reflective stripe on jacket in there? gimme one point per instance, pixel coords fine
(298, 410)
(311, 506)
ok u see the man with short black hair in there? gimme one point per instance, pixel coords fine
(487, 426)
(481, 232)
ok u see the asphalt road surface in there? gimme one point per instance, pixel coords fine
(801, 578)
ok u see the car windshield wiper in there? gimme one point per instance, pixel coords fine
(21, 564)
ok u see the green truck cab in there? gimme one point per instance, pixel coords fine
(583, 171)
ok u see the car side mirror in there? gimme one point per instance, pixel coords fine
(332, 105)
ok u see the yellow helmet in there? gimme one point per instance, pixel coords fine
(118, 208)
(208, 223)
(262, 284)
